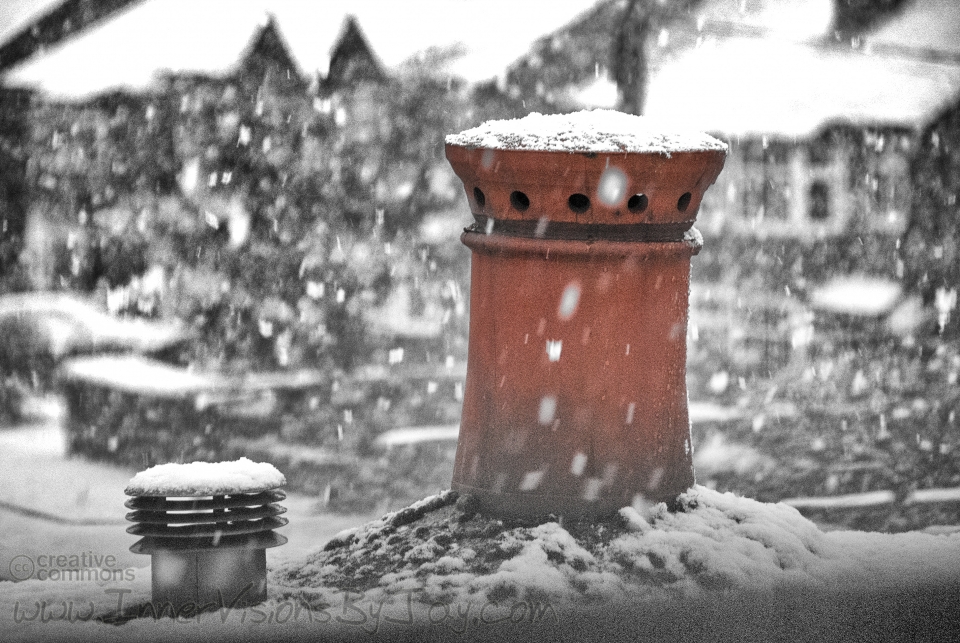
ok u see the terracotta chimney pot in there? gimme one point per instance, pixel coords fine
(575, 400)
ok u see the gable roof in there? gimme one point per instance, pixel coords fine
(352, 58)
(269, 45)
(268, 56)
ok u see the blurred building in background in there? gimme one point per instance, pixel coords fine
(302, 220)
(279, 212)
(824, 113)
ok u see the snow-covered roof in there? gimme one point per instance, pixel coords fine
(791, 19)
(771, 67)
(859, 295)
(718, 543)
(127, 51)
(60, 324)
(209, 37)
(596, 130)
(751, 86)
(205, 479)
(141, 376)
(931, 25)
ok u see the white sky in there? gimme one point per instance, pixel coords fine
(15, 14)
(208, 35)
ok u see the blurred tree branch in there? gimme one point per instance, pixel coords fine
(69, 18)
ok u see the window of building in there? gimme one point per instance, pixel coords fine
(819, 201)
(892, 184)
(892, 193)
(821, 152)
(766, 182)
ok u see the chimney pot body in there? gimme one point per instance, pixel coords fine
(575, 400)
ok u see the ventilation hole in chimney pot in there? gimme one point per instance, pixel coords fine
(683, 202)
(479, 197)
(519, 201)
(579, 203)
(638, 203)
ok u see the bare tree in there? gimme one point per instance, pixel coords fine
(630, 59)
(631, 46)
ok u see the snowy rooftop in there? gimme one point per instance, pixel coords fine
(439, 549)
(932, 25)
(749, 86)
(859, 295)
(430, 566)
(205, 479)
(787, 19)
(142, 376)
(69, 323)
(208, 37)
(586, 131)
